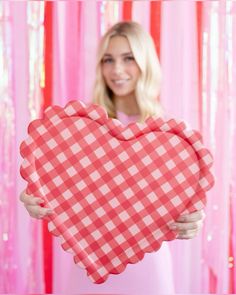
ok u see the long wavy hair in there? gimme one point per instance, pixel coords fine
(148, 86)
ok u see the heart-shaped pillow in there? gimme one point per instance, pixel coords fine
(114, 188)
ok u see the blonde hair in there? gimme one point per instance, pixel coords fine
(148, 86)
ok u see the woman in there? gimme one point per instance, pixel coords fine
(127, 84)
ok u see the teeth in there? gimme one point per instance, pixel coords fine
(119, 81)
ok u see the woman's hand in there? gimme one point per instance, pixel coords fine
(188, 226)
(32, 205)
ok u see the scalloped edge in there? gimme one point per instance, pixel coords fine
(152, 124)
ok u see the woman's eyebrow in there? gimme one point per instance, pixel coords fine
(127, 53)
(123, 54)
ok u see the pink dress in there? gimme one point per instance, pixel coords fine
(153, 275)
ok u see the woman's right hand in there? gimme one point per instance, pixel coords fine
(32, 205)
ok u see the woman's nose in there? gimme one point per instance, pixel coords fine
(118, 67)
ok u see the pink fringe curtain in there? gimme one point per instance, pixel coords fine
(20, 236)
(8, 255)
(219, 122)
(179, 97)
(207, 263)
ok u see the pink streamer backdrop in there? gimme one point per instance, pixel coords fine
(7, 164)
(219, 132)
(207, 262)
(180, 99)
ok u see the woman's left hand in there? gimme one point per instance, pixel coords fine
(188, 226)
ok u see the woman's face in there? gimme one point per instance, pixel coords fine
(119, 68)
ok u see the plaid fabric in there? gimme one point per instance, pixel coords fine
(114, 188)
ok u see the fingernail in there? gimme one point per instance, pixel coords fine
(181, 218)
(50, 211)
(40, 201)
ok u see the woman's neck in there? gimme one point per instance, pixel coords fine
(127, 105)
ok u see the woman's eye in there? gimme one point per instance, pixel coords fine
(107, 60)
(129, 58)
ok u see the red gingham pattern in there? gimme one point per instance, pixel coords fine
(114, 188)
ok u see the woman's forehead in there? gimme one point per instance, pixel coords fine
(118, 45)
